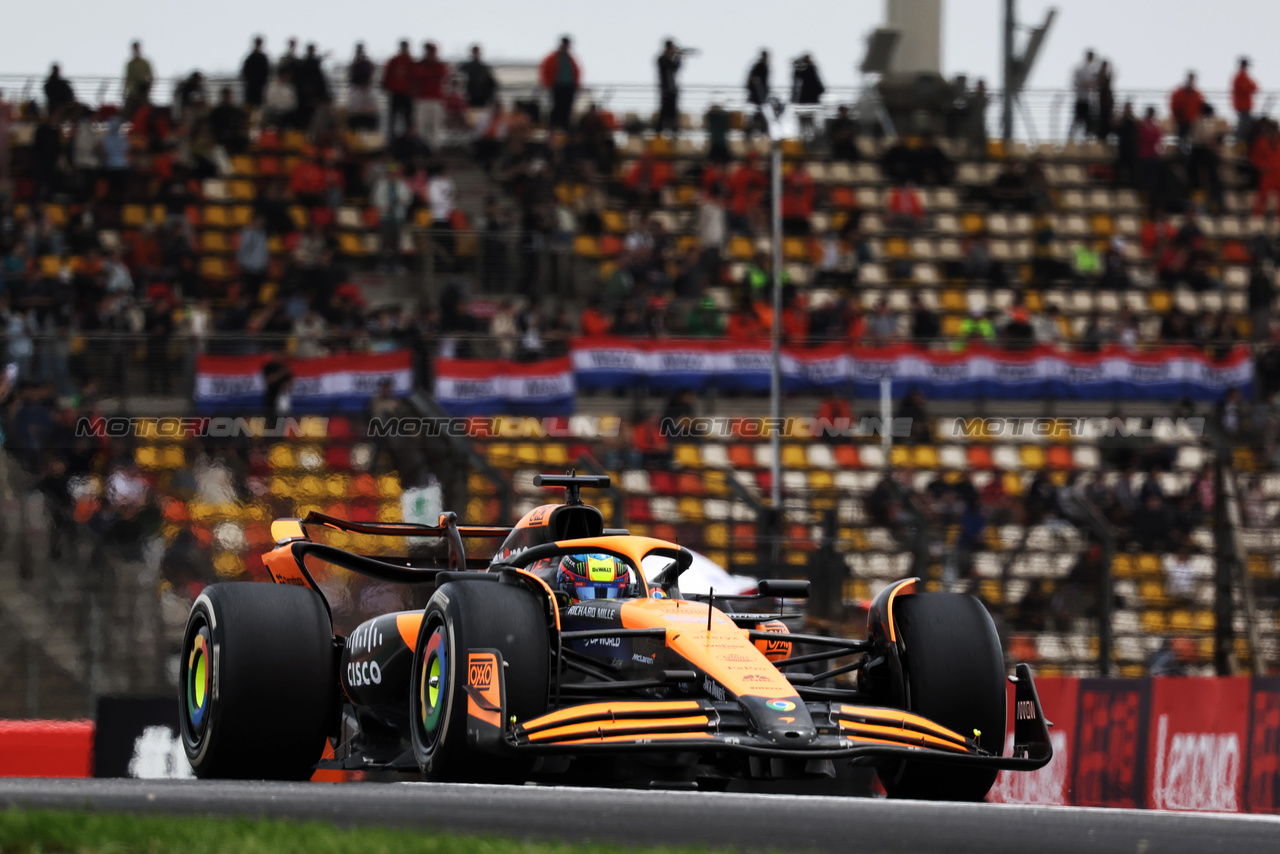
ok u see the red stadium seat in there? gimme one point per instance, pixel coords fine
(1059, 458)
(638, 510)
(980, 457)
(662, 483)
(846, 457)
(689, 483)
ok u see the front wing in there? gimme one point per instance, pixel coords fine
(844, 730)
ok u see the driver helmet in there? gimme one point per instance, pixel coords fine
(593, 576)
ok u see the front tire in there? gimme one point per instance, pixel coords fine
(472, 615)
(256, 682)
(954, 672)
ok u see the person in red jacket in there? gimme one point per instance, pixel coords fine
(1265, 157)
(906, 211)
(429, 75)
(797, 201)
(1186, 105)
(397, 82)
(594, 323)
(747, 184)
(645, 180)
(560, 75)
(1242, 92)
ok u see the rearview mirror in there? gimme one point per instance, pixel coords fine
(783, 588)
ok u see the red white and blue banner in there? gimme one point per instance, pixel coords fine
(493, 387)
(329, 384)
(503, 387)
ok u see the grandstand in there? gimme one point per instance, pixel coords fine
(178, 222)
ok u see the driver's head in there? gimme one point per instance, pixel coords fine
(592, 576)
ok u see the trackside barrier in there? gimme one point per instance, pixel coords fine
(1207, 744)
(46, 748)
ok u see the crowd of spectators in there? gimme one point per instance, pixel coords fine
(549, 188)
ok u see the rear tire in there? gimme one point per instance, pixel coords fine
(955, 676)
(470, 615)
(256, 682)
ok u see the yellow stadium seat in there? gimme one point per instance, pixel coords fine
(215, 216)
(795, 249)
(389, 486)
(614, 222)
(173, 457)
(242, 191)
(954, 300)
(50, 265)
(1032, 457)
(972, 222)
(1122, 566)
(585, 245)
(135, 216)
(1148, 565)
(690, 509)
(899, 456)
(1012, 483)
(213, 267)
(243, 165)
(741, 248)
(687, 456)
(527, 454)
(555, 454)
(1153, 621)
(925, 457)
(794, 457)
(213, 241)
(280, 457)
(1160, 302)
(146, 457)
(820, 479)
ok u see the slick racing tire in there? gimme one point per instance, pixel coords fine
(954, 672)
(461, 616)
(256, 681)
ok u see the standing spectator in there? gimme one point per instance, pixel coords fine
(925, 327)
(1186, 104)
(289, 62)
(1084, 81)
(668, 91)
(1262, 298)
(561, 75)
(442, 196)
(255, 71)
(311, 84)
(716, 121)
(428, 96)
(228, 124)
(1106, 102)
(1125, 170)
(842, 133)
(711, 232)
(280, 107)
(481, 85)
(397, 82)
(362, 104)
(1265, 157)
(58, 94)
(253, 256)
(975, 133)
(392, 197)
(138, 78)
(806, 91)
(758, 90)
(1149, 149)
(1242, 91)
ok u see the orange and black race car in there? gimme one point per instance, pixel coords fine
(556, 659)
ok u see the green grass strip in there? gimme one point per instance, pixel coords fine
(68, 832)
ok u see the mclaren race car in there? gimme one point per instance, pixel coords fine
(556, 659)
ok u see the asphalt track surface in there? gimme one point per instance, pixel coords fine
(734, 821)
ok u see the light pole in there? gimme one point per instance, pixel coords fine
(775, 385)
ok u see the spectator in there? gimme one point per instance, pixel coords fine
(645, 180)
(58, 94)
(253, 255)
(1124, 172)
(561, 76)
(1115, 270)
(1185, 105)
(1243, 89)
(398, 83)
(925, 327)
(979, 267)
(1106, 103)
(882, 326)
(1084, 82)
(430, 75)
(758, 91)
(649, 440)
(442, 196)
(842, 132)
(1262, 299)
(228, 124)
(1265, 157)
(1018, 332)
(747, 183)
(290, 61)
(716, 121)
(913, 408)
(255, 71)
(1180, 573)
(797, 200)
(281, 107)
(392, 197)
(362, 105)
(1171, 658)
(711, 232)
(905, 210)
(138, 79)
(976, 327)
(975, 123)
(806, 92)
(480, 84)
(668, 90)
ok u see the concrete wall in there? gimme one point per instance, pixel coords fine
(920, 22)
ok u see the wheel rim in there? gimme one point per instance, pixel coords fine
(432, 685)
(197, 682)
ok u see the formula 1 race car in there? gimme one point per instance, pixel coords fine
(557, 659)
